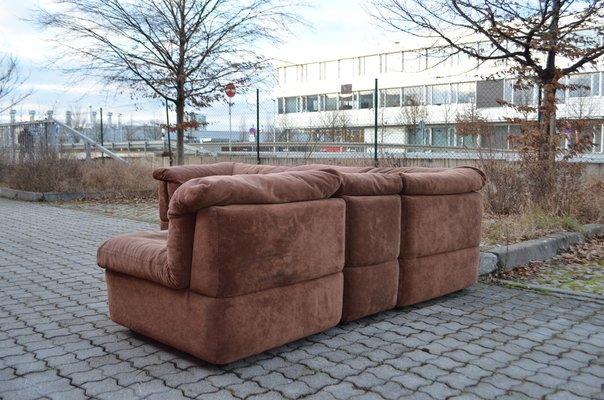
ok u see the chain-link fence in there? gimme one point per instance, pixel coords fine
(438, 121)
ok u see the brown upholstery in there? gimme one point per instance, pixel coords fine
(248, 263)
(373, 208)
(222, 330)
(256, 256)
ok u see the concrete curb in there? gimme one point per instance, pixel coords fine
(509, 257)
(23, 195)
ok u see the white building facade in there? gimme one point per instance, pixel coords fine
(422, 91)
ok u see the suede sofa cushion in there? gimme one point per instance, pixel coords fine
(243, 248)
(449, 181)
(284, 187)
(439, 224)
(245, 169)
(182, 173)
(368, 184)
(142, 255)
(201, 193)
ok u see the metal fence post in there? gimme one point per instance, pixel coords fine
(13, 114)
(375, 125)
(258, 126)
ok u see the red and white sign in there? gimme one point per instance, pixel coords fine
(230, 90)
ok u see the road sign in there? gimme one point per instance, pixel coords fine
(230, 90)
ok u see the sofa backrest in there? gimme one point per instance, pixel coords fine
(229, 232)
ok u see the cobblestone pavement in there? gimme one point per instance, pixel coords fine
(486, 342)
(143, 211)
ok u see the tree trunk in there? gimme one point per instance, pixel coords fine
(180, 133)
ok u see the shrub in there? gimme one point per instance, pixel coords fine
(51, 173)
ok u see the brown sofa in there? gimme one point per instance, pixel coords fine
(405, 235)
(441, 212)
(248, 263)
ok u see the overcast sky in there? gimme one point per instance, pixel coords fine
(336, 24)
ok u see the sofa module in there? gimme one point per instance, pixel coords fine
(441, 213)
(248, 263)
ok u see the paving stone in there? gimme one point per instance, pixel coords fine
(246, 389)
(457, 380)
(343, 391)
(563, 395)
(318, 380)
(171, 395)
(392, 390)
(272, 380)
(411, 381)
(483, 342)
(439, 390)
(198, 389)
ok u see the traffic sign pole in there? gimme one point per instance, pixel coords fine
(230, 91)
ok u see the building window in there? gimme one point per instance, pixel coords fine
(329, 102)
(394, 62)
(490, 92)
(438, 94)
(366, 99)
(413, 96)
(413, 61)
(584, 85)
(311, 103)
(291, 105)
(524, 95)
(347, 102)
(465, 93)
(391, 98)
(443, 137)
(372, 66)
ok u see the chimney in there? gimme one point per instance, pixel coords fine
(32, 115)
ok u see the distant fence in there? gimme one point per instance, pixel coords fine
(370, 126)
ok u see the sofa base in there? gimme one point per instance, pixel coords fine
(222, 330)
(425, 278)
(369, 290)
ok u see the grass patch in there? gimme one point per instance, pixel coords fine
(531, 224)
(55, 174)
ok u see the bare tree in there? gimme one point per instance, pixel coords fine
(471, 123)
(11, 82)
(410, 115)
(541, 42)
(182, 51)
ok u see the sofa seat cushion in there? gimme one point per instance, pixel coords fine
(142, 255)
(225, 330)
